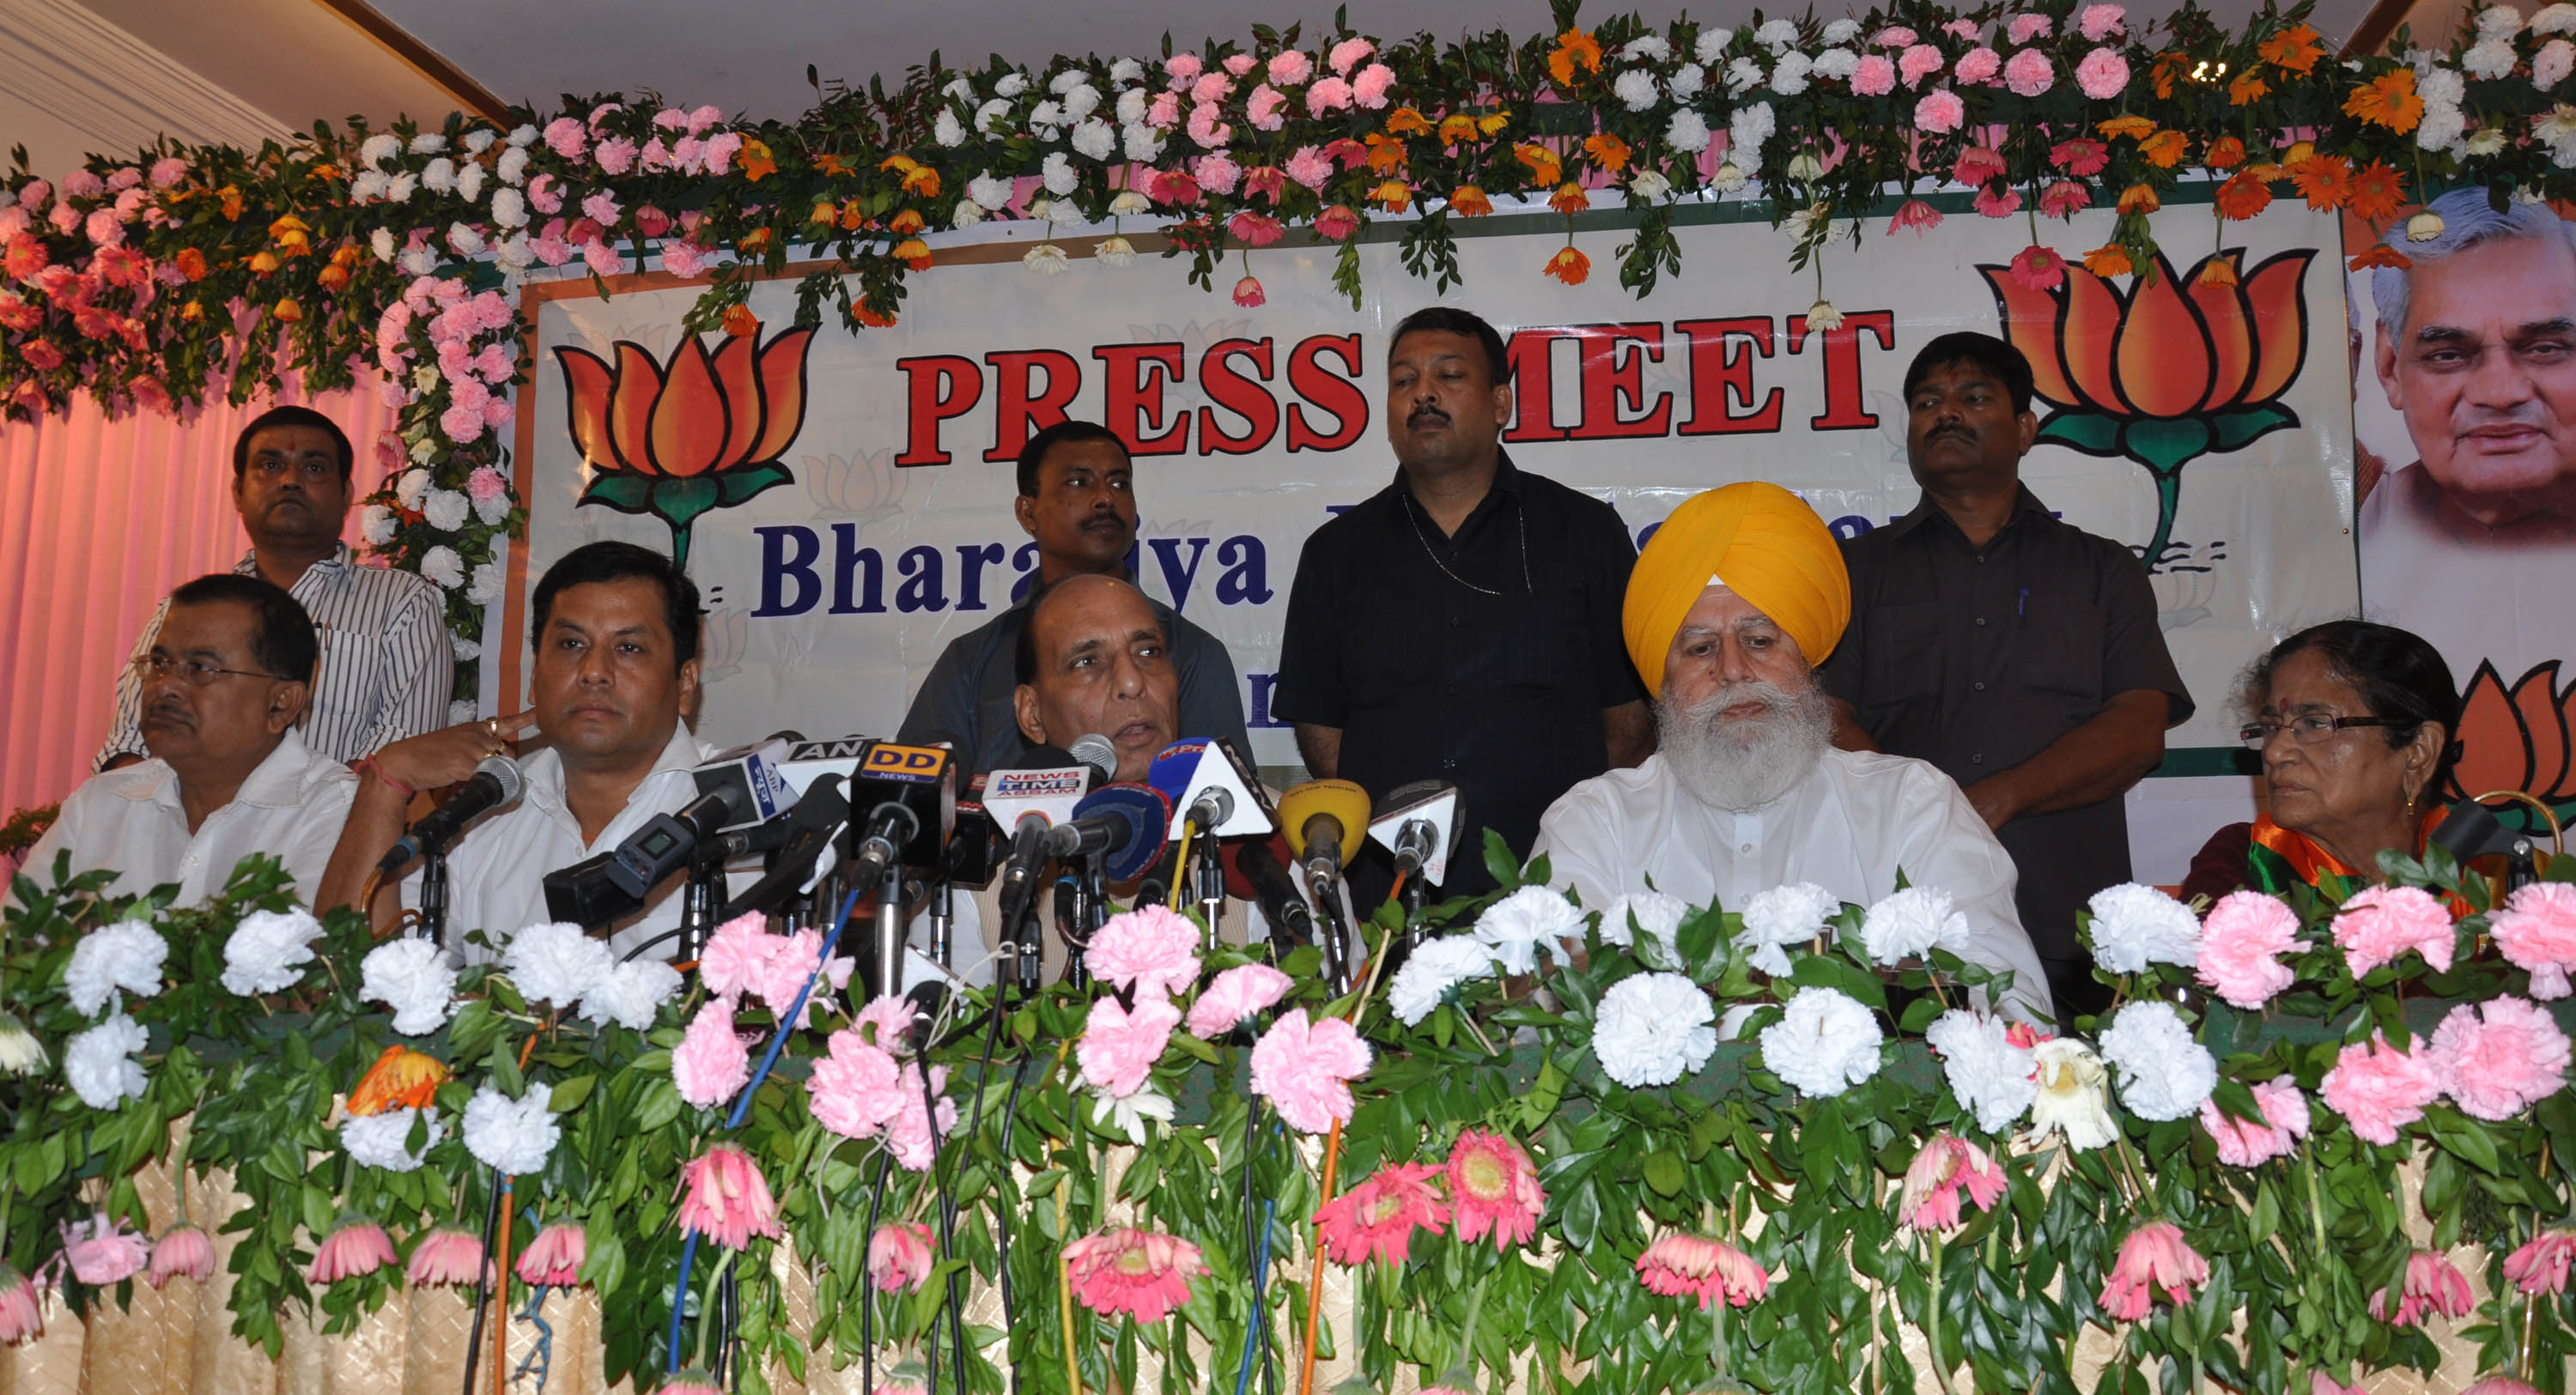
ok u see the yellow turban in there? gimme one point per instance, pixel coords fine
(1759, 541)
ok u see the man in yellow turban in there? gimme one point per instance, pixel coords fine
(1731, 606)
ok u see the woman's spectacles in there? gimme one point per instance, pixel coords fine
(2309, 728)
(198, 672)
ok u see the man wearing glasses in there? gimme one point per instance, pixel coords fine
(219, 691)
(387, 664)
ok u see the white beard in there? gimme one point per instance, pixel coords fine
(1743, 763)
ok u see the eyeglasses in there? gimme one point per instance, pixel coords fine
(2309, 728)
(198, 672)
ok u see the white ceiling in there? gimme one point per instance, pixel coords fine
(107, 75)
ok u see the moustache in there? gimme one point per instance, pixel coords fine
(1773, 698)
(1420, 413)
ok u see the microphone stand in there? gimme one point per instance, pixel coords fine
(1209, 873)
(942, 915)
(1334, 936)
(698, 902)
(890, 938)
(433, 895)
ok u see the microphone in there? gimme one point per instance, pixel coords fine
(737, 789)
(1096, 751)
(1419, 824)
(1291, 923)
(1023, 804)
(802, 838)
(749, 781)
(1211, 789)
(495, 782)
(1123, 825)
(911, 796)
(1320, 818)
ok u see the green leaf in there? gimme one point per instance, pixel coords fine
(619, 490)
(569, 1094)
(1663, 1171)
(660, 1105)
(2239, 429)
(744, 484)
(2090, 432)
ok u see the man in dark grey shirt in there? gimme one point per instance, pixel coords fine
(2017, 653)
(1077, 499)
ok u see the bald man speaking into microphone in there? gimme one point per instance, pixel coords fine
(1731, 606)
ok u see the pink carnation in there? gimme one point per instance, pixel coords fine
(1978, 66)
(1311, 167)
(887, 1021)
(2028, 73)
(554, 1258)
(545, 195)
(167, 171)
(616, 155)
(602, 259)
(2380, 923)
(710, 1065)
(683, 258)
(2021, 29)
(1263, 110)
(601, 208)
(2103, 74)
(1328, 94)
(1181, 68)
(1896, 36)
(1211, 88)
(736, 959)
(914, 1143)
(1118, 1048)
(724, 1198)
(1964, 30)
(2536, 931)
(1347, 55)
(1370, 87)
(900, 1256)
(1290, 68)
(1235, 995)
(1153, 951)
(2099, 22)
(2499, 1058)
(82, 184)
(1217, 174)
(103, 1252)
(22, 1308)
(2241, 942)
(2242, 1144)
(1165, 111)
(2500, 1385)
(1940, 112)
(462, 424)
(566, 137)
(855, 1089)
(2155, 1256)
(356, 1248)
(791, 963)
(2379, 1088)
(1142, 1272)
(1917, 63)
(1874, 76)
(1305, 1068)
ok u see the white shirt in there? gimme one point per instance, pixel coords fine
(2477, 594)
(496, 871)
(291, 807)
(1848, 827)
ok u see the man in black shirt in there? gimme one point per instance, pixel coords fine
(1462, 624)
(1077, 498)
(2017, 653)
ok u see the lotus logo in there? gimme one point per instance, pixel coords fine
(2171, 370)
(701, 431)
(2518, 738)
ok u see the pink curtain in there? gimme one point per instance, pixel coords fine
(98, 520)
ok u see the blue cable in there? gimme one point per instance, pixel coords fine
(1260, 1309)
(742, 1106)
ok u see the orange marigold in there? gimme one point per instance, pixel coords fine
(2165, 149)
(1569, 265)
(1385, 154)
(756, 161)
(1573, 47)
(871, 318)
(232, 202)
(401, 1078)
(740, 322)
(2136, 127)
(191, 263)
(2293, 50)
(1455, 129)
(2139, 198)
(2387, 100)
(2218, 271)
(1405, 121)
(333, 277)
(2325, 181)
(838, 168)
(1544, 166)
(1393, 195)
(2225, 153)
(912, 252)
(2380, 254)
(2169, 70)
(2247, 87)
(1569, 199)
(2378, 191)
(2108, 261)
(1607, 151)
(1492, 122)
(1470, 201)
(2243, 196)
(904, 223)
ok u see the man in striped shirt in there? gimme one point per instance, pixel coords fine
(387, 662)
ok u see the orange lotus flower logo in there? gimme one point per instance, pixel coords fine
(2517, 737)
(701, 431)
(2173, 369)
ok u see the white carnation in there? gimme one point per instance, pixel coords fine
(379, 1140)
(2134, 926)
(630, 994)
(1047, 115)
(412, 976)
(507, 1135)
(1126, 70)
(441, 564)
(100, 1063)
(1783, 916)
(556, 963)
(1141, 142)
(446, 509)
(1745, 132)
(1911, 923)
(1528, 920)
(1132, 106)
(469, 182)
(381, 242)
(438, 175)
(1012, 84)
(428, 143)
(464, 650)
(2441, 87)
(990, 115)
(369, 185)
(2499, 22)
(1057, 174)
(1653, 1030)
(2164, 1074)
(267, 949)
(512, 168)
(409, 489)
(1636, 87)
(1687, 133)
(947, 130)
(1841, 31)
(522, 135)
(486, 587)
(1777, 34)
(1094, 138)
(492, 508)
(1432, 970)
(2550, 66)
(2490, 58)
(1743, 75)
(1789, 75)
(378, 148)
(2555, 19)
(1646, 48)
(465, 239)
(1712, 43)
(1824, 1043)
(1838, 64)
(1990, 1075)
(1660, 916)
(1686, 81)
(988, 192)
(125, 955)
(399, 188)
(509, 208)
(377, 524)
(2441, 128)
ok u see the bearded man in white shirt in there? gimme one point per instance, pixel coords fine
(615, 628)
(219, 692)
(1732, 605)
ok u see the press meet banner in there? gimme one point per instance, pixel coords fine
(844, 499)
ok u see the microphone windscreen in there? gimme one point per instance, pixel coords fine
(1095, 750)
(507, 774)
(1238, 854)
(1147, 819)
(1339, 799)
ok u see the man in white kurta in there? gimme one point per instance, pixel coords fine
(1727, 604)
(219, 693)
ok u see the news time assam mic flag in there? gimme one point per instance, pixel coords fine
(844, 500)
